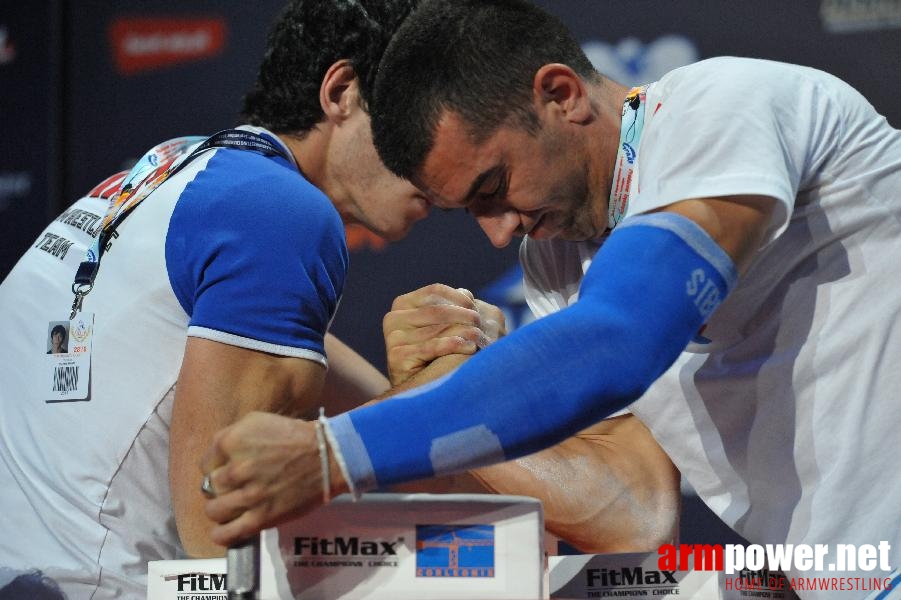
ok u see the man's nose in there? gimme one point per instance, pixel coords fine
(500, 227)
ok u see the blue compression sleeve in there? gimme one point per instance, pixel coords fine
(650, 287)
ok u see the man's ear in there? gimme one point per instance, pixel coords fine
(338, 94)
(559, 88)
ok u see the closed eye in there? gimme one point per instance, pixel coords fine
(486, 202)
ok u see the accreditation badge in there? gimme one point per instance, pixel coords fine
(68, 358)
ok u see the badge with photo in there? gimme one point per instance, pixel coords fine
(68, 358)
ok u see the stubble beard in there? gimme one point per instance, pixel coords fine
(587, 218)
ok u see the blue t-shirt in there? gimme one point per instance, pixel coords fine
(236, 247)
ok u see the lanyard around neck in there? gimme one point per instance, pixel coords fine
(155, 167)
(626, 155)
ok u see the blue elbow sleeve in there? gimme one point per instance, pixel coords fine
(649, 289)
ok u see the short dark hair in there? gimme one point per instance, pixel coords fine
(477, 58)
(59, 329)
(308, 38)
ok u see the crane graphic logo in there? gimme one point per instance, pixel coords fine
(455, 550)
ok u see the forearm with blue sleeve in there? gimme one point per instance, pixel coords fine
(650, 288)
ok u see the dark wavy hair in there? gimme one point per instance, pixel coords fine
(309, 37)
(33, 585)
(477, 58)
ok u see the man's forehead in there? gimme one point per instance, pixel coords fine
(439, 197)
(434, 196)
(455, 166)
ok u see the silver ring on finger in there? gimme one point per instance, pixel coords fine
(206, 486)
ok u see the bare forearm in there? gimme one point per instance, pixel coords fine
(597, 495)
(438, 367)
(218, 384)
(611, 488)
(350, 381)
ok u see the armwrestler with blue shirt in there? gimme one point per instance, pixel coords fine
(544, 169)
(442, 329)
(713, 244)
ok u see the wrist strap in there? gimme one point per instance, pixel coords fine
(324, 425)
(323, 458)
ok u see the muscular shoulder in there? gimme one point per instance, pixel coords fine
(251, 236)
(735, 126)
(257, 190)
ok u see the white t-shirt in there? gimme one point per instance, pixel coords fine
(786, 423)
(238, 248)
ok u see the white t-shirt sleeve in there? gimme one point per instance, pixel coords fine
(730, 126)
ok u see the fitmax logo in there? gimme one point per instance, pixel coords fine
(202, 582)
(341, 546)
(627, 576)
